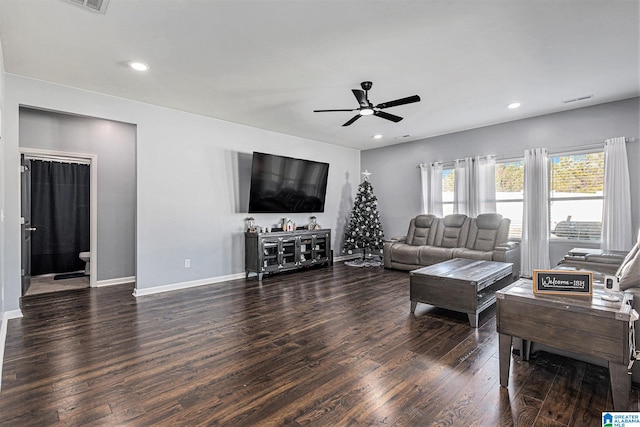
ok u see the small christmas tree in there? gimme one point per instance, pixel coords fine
(364, 231)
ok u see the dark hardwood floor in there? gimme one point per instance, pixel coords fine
(324, 347)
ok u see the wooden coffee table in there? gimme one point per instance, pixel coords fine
(460, 284)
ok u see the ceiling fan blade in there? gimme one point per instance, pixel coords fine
(353, 119)
(387, 116)
(326, 111)
(361, 97)
(401, 101)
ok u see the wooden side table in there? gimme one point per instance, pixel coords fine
(580, 324)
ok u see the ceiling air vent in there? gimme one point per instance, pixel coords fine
(582, 98)
(97, 6)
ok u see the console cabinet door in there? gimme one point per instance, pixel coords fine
(288, 257)
(321, 247)
(305, 254)
(270, 255)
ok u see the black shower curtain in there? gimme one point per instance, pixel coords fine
(60, 213)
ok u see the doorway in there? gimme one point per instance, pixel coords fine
(113, 183)
(59, 221)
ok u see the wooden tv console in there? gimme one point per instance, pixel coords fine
(286, 250)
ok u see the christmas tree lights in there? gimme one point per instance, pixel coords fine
(364, 231)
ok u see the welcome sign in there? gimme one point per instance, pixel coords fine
(562, 282)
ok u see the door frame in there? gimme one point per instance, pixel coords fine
(93, 197)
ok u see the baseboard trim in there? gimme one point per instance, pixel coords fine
(3, 340)
(185, 285)
(209, 281)
(116, 281)
(346, 257)
(11, 314)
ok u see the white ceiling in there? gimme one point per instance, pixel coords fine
(269, 63)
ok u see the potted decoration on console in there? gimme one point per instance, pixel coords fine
(364, 231)
(288, 225)
(313, 225)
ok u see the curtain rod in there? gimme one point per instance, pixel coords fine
(514, 156)
(57, 159)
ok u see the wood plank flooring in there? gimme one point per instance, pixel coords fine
(322, 347)
(47, 284)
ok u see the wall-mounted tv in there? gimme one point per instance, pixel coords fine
(282, 184)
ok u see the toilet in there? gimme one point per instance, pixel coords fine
(86, 257)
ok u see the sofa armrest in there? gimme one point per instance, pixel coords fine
(509, 252)
(397, 239)
(505, 246)
(605, 258)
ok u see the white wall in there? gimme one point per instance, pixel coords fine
(188, 183)
(2, 190)
(399, 192)
(3, 321)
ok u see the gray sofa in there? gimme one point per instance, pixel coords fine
(597, 261)
(431, 240)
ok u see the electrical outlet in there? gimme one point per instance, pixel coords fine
(187, 263)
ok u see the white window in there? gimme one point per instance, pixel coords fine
(510, 194)
(576, 184)
(448, 180)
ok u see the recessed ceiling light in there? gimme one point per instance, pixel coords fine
(378, 136)
(513, 105)
(139, 66)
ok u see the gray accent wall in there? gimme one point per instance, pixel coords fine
(396, 176)
(114, 144)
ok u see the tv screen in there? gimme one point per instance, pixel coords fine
(282, 184)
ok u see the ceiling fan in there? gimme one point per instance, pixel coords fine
(367, 108)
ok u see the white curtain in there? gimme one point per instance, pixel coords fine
(617, 234)
(485, 180)
(475, 186)
(462, 185)
(535, 229)
(431, 179)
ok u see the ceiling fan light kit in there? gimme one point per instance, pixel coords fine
(368, 109)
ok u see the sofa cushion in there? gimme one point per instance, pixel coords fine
(405, 254)
(485, 240)
(422, 230)
(425, 221)
(486, 231)
(432, 254)
(473, 254)
(454, 220)
(452, 232)
(420, 236)
(629, 271)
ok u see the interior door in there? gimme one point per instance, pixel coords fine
(26, 228)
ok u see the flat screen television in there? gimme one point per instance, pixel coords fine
(282, 184)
